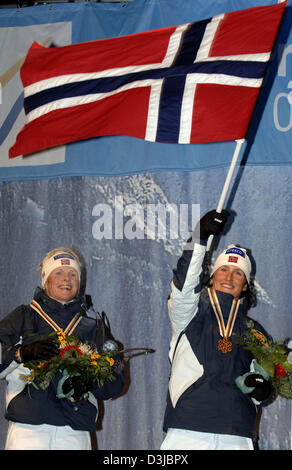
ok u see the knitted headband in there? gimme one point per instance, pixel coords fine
(234, 256)
(56, 261)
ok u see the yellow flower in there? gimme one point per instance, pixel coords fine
(94, 356)
(261, 337)
(110, 360)
(94, 363)
(40, 365)
(62, 337)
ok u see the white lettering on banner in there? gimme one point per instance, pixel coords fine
(282, 69)
(283, 101)
(135, 221)
(287, 99)
(290, 94)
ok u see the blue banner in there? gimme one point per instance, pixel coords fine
(269, 137)
(270, 131)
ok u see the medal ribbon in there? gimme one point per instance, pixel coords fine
(70, 327)
(224, 331)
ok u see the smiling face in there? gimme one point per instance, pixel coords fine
(229, 279)
(62, 284)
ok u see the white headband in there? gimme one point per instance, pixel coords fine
(57, 260)
(234, 256)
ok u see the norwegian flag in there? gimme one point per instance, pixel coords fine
(65, 262)
(193, 83)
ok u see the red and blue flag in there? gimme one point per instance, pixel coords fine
(193, 83)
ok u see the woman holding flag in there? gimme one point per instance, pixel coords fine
(215, 385)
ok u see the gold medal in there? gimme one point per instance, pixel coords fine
(225, 345)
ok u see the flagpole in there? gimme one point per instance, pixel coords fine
(227, 183)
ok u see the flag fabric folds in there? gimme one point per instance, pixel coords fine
(193, 83)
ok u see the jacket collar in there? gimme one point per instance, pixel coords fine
(225, 301)
(53, 305)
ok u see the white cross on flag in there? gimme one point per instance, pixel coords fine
(193, 83)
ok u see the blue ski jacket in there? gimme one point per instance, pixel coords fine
(42, 406)
(202, 394)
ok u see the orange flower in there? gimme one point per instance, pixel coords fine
(62, 338)
(41, 365)
(261, 337)
(94, 356)
(110, 361)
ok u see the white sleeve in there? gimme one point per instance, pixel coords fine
(183, 304)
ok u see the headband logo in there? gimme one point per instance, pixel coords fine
(232, 259)
(65, 262)
(236, 251)
(63, 255)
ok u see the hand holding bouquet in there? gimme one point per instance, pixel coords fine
(74, 359)
(273, 357)
(79, 361)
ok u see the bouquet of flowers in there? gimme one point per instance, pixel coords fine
(74, 358)
(272, 357)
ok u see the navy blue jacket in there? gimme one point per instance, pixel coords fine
(42, 406)
(202, 392)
